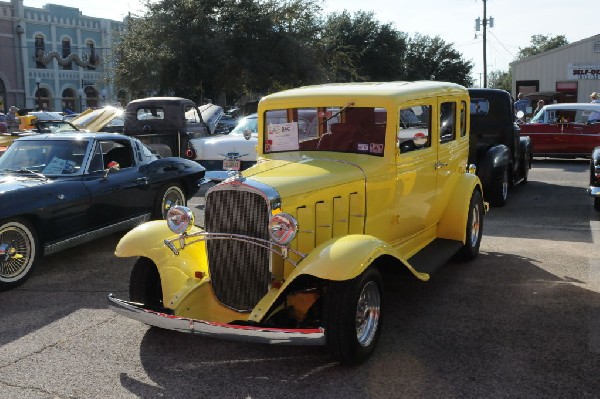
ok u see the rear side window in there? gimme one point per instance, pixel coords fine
(479, 106)
(150, 113)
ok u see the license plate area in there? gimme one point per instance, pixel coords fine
(232, 164)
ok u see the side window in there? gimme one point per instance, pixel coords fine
(447, 122)
(414, 130)
(119, 153)
(463, 119)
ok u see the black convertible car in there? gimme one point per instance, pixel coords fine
(61, 190)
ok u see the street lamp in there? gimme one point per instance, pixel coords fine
(81, 93)
(37, 93)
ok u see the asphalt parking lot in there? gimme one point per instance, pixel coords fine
(522, 320)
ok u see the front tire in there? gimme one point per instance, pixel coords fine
(144, 284)
(170, 195)
(470, 249)
(18, 249)
(352, 317)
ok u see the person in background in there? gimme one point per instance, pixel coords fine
(594, 116)
(3, 125)
(540, 105)
(521, 104)
(12, 119)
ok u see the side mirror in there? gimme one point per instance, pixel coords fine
(247, 134)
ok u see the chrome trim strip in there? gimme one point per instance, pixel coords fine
(594, 191)
(57, 246)
(265, 335)
(277, 249)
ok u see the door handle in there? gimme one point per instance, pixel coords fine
(142, 181)
(439, 164)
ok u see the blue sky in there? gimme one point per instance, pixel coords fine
(515, 21)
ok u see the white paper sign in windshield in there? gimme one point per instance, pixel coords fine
(282, 137)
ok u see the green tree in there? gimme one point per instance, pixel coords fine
(433, 58)
(359, 48)
(541, 43)
(500, 80)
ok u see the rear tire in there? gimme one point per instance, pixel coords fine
(18, 250)
(499, 189)
(470, 249)
(144, 284)
(352, 317)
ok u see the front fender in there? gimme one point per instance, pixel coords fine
(179, 274)
(343, 258)
(338, 259)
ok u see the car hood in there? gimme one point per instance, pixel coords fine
(217, 148)
(9, 183)
(300, 176)
(95, 120)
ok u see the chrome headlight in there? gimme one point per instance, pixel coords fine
(180, 219)
(283, 228)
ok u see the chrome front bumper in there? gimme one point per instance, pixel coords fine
(594, 191)
(282, 336)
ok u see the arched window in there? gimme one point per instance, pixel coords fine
(91, 96)
(66, 51)
(68, 100)
(40, 50)
(91, 55)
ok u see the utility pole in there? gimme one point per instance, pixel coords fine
(485, 23)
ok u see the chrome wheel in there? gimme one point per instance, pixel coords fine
(17, 253)
(367, 314)
(475, 225)
(172, 195)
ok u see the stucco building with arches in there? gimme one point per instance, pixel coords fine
(55, 58)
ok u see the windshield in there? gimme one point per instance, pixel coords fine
(55, 127)
(248, 123)
(359, 130)
(48, 157)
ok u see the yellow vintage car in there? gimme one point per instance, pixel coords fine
(295, 249)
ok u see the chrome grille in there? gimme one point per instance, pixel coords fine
(239, 271)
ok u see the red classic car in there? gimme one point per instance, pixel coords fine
(565, 130)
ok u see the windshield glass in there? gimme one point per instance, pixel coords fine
(55, 127)
(248, 123)
(359, 130)
(49, 157)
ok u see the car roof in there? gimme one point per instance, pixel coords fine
(398, 90)
(47, 115)
(76, 136)
(580, 106)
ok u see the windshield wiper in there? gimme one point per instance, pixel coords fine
(25, 171)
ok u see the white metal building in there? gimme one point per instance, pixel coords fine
(566, 74)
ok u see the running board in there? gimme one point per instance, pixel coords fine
(434, 255)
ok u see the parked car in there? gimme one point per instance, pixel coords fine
(61, 190)
(221, 154)
(168, 124)
(563, 130)
(594, 189)
(502, 155)
(295, 249)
